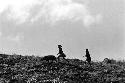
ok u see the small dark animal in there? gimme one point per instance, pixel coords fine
(13, 81)
(107, 61)
(49, 58)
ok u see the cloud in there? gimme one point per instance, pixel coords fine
(18, 10)
(16, 39)
(89, 19)
(50, 11)
(57, 10)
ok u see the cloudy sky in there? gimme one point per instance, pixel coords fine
(38, 26)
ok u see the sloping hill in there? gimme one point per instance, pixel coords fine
(31, 69)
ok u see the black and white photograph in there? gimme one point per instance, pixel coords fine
(62, 41)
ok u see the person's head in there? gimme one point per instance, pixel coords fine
(86, 49)
(59, 46)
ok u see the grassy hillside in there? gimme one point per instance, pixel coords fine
(31, 69)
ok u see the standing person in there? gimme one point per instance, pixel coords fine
(60, 49)
(88, 58)
(61, 54)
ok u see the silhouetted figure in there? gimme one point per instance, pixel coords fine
(60, 49)
(88, 58)
(61, 54)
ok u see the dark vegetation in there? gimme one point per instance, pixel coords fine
(31, 69)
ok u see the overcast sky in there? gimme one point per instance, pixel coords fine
(38, 26)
